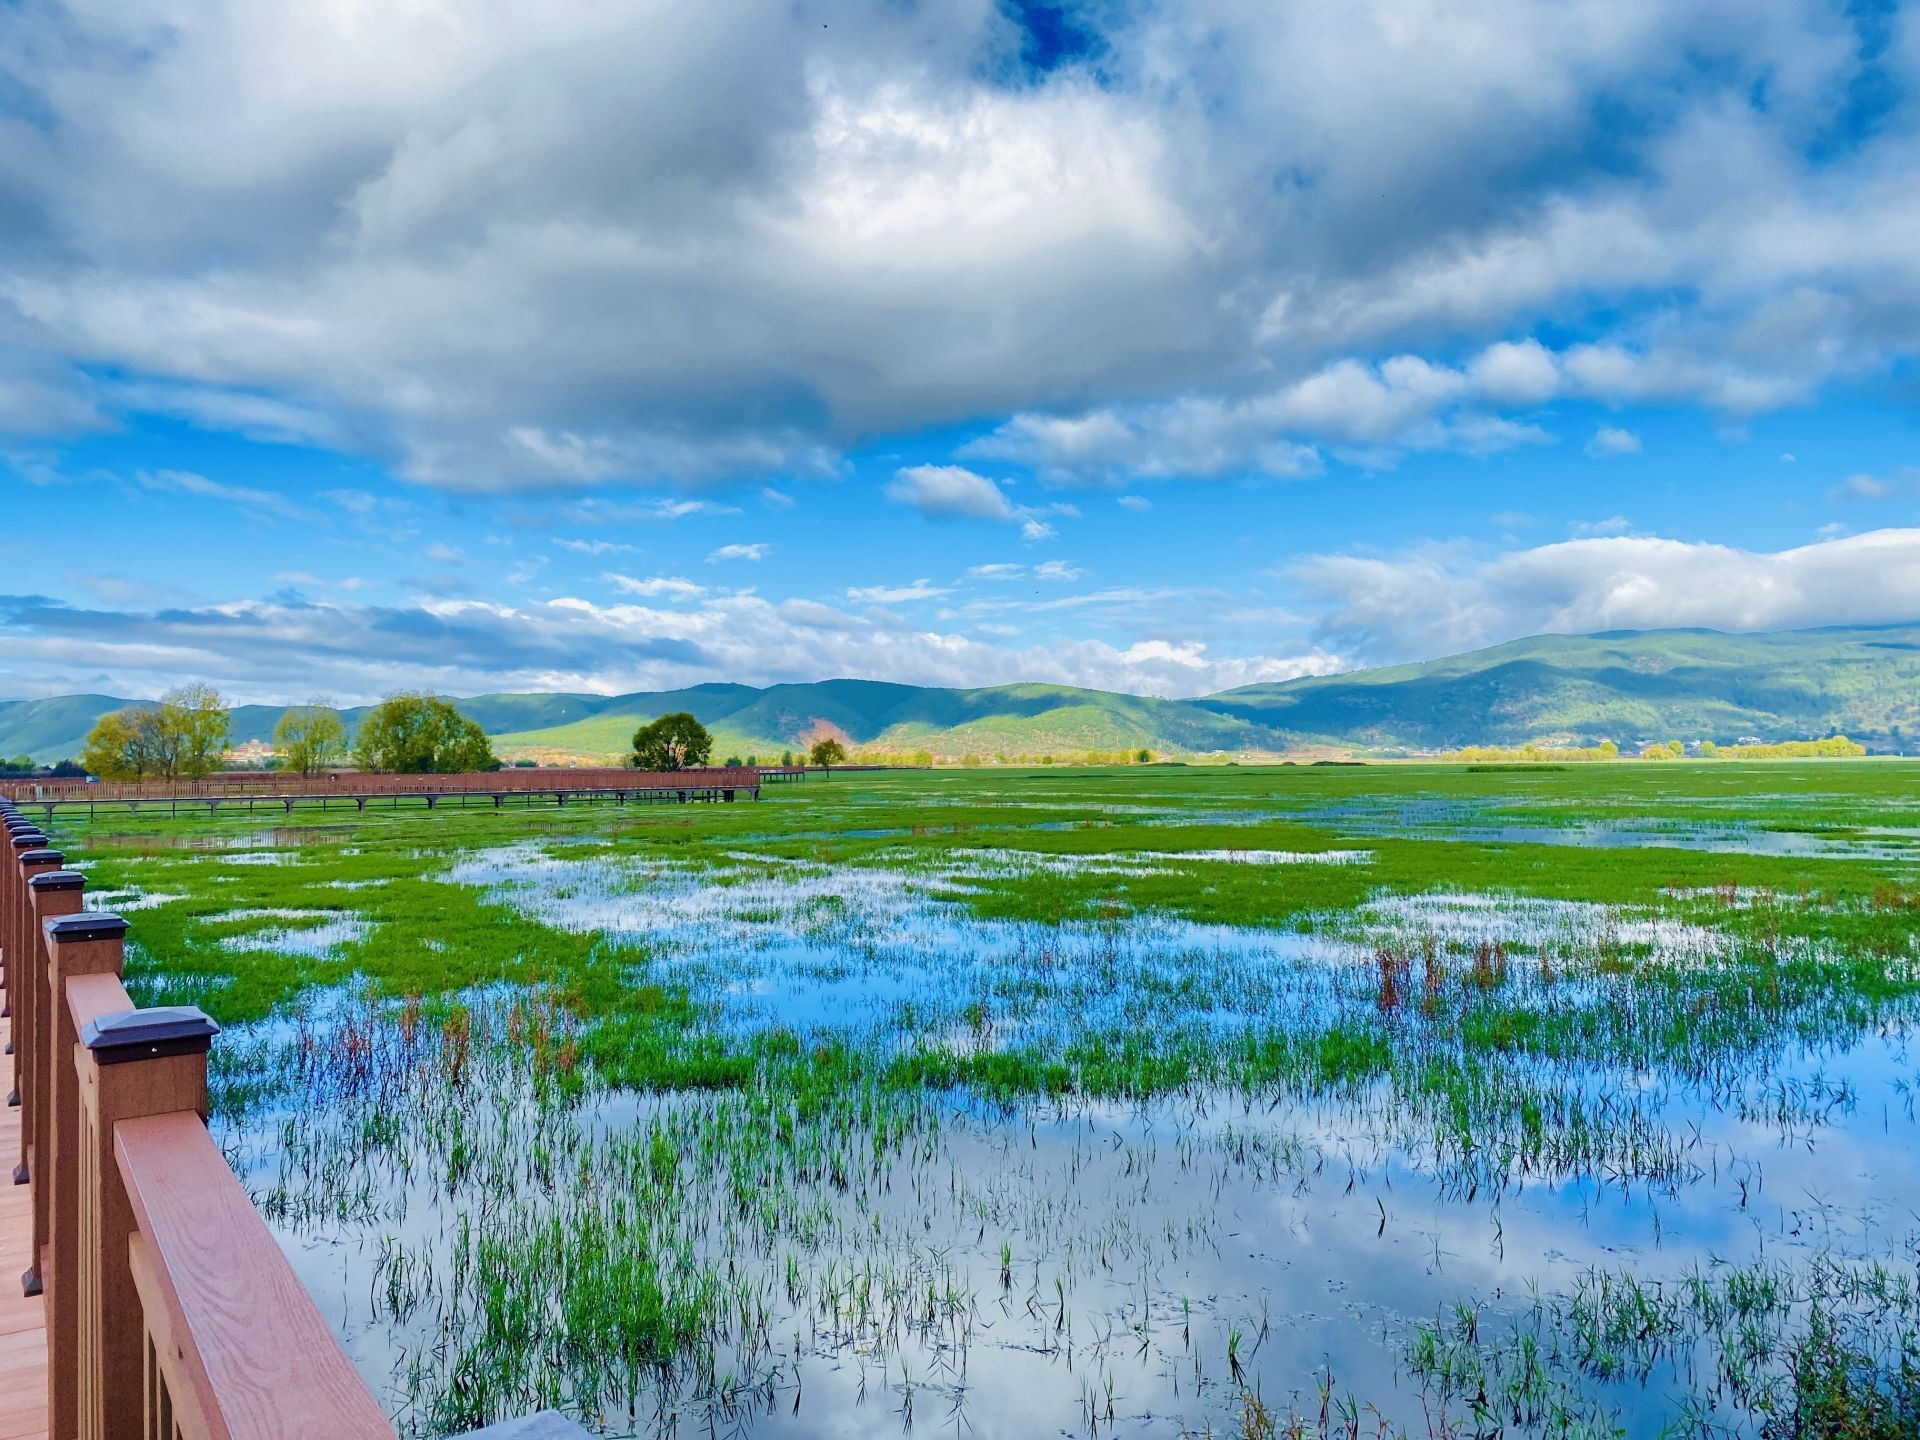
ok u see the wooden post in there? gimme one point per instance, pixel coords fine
(29, 1065)
(19, 841)
(81, 949)
(131, 1063)
(53, 894)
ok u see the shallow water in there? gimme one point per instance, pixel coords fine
(1143, 1236)
(1167, 1257)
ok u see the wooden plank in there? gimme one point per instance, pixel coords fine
(245, 1335)
(23, 1323)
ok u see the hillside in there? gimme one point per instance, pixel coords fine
(1682, 684)
(1626, 686)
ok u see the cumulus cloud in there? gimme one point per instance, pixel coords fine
(1444, 599)
(1279, 229)
(1610, 442)
(267, 651)
(755, 551)
(944, 491)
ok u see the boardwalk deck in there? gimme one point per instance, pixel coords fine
(23, 1334)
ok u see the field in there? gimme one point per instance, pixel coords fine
(1307, 1100)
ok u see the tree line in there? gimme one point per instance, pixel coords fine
(187, 735)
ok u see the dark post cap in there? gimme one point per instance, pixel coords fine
(87, 925)
(17, 823)
(58, 880)
(149, 1034)
(28, 839)
(42, 857)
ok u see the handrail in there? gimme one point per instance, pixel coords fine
(356, 782)
(171, 1311)
(207, 1272)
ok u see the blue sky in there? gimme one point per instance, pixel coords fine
(1151, 347)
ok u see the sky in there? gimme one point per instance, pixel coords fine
(484, 345)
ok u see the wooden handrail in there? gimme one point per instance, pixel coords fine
(172, 1313)
(356, 782)
(238, 1349)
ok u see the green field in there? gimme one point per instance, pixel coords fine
(1330, 1100)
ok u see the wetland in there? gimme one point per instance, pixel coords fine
(1232, 1101)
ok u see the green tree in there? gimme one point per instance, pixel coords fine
(309, 738)
(181, 738)
(673, 742)
(194, 723)
(827, 753)
(114, 749)
(421, 734)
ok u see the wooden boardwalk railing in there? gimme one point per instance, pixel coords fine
(154, 1303)
(361, 789)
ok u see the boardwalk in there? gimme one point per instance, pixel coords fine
(23, 1336)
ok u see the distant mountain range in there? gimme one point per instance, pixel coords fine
(1626, 686)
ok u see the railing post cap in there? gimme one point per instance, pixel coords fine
(58, 879)
(87, 925)
(42, 857)
(149, 1034)
(20, 824)
(28, 839)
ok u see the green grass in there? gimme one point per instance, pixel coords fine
(586, 1180)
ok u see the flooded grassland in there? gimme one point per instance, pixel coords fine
(1309, 1100)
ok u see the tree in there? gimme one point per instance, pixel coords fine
(114, 749)
(193, 727)
(421, 734)
(827, 753)
(309, 738)
(182, 737)
(17, 765)
(673, 742)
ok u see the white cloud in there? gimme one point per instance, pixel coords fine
(656, 586)
(1059, 570)
(1444, 599)
(1612, 525)
(260, 504)
(1862, 486)
(270, 651)
(1609, 442)
(444, 554)
(897, 594)
(1137, 503)
(942, 491)
(596, 547)
(859, 218)
(756, 551)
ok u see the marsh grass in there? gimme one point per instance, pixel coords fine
(905, 1092)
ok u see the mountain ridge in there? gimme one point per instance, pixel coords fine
(1621, 685)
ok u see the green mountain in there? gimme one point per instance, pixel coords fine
(1625, 686)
